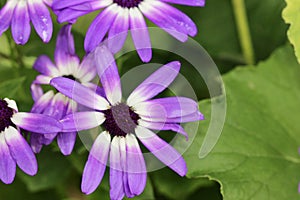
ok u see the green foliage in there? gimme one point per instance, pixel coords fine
(256, 156)
(291, 15)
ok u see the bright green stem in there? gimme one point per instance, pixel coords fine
(243, 30)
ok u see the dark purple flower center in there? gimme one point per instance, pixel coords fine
(120, 120)
(128, 3)
(70, 77)
(5, 114)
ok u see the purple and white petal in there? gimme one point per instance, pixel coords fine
(136, 168)
(162, 20)
(36, 91)
(36, 122)
(66, 142)
(20, 24)
(170, 106)
(41, 19)
(99, 27)
(6, 14)
(162, 150)
(163, 126)
(21, 151)
(42, 103)
(123, 154)
(7, 163)
(42, 79)
(140, 34)
(79, 93)
(45, 66)
(95, 166)
(108, 73)
(118, 32)
(82, 121)
(87, 69)
(92, 5)
(187, 2)
(64, 55)
(155, 83)
(116, 171)
(36, 142)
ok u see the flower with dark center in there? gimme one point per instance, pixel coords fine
(18, 15)
(125, 122)
(14, 150)
(67, 64)
(119, 16)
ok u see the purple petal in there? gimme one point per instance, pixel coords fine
(36, 142)
(118, 32)
(95, 166)
(163, 126)
(162, 150)
(140, 34)
(42, 79)
(42, 103)
(36, 123)
(57, 107)
(79, 93)
(99, 27)
(66, 142)
(187, 2)
(109, 75)
(136, 168)
(21, 151)
(7, 164)
(115, 171)
(82, 121)
(70, 15)
(6, 14)
(41, 19)
(162, 20)
(36, 91)
(196, 116)
(155, 83)
(45, 66)
(20, 25)
(180, 20)
(170, 107)
(60, 4)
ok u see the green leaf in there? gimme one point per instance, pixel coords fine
(256, 156)
(53, 170)
(169, 184)
(218, 33)
(291, 15)
(9, 88)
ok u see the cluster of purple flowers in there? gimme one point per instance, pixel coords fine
(56, 114)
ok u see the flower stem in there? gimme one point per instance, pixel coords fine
(243, 30)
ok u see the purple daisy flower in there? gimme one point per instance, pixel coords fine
(67, 64)
(18, 15)
(125, 122)
(119, 16)
(14, 150)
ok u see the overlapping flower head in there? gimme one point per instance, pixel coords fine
(67, 64)
(17, 14)
(124, 122)
(14, 150)
(119, 16)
